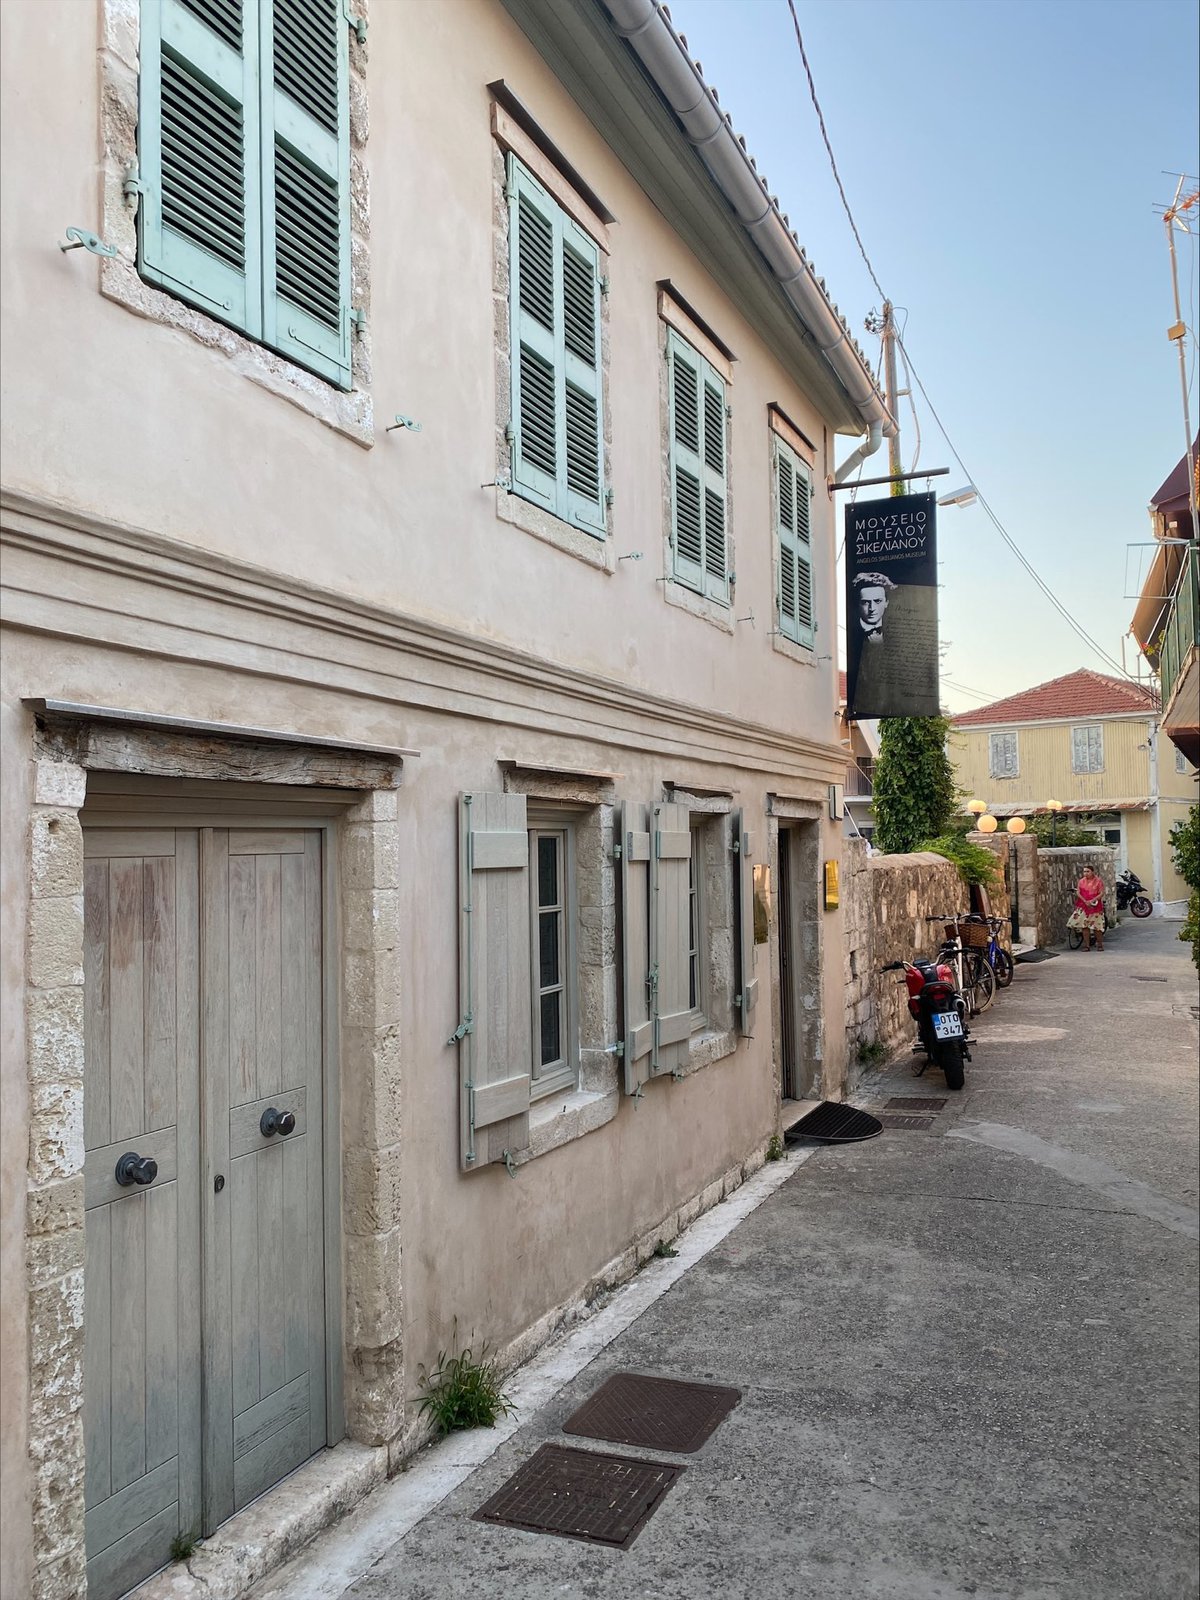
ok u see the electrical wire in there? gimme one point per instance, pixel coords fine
(1041, 583)
(812, 89)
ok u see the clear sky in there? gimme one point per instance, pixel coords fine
(1003, 159)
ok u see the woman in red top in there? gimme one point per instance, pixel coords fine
(1088, 913)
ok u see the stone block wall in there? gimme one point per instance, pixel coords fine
(856, 922)
(906, 891)
(1058, 873)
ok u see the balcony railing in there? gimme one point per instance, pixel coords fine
(858, 778)
(1179, 635)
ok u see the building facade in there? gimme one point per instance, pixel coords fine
(1094, 744)
(419, 604)
(1166, 623)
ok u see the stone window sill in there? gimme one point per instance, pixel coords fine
(805, 655)
(512, 507)
(561, 1118)
(714, 612)
(708, 1047)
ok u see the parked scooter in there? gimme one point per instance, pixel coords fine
(1131, 893)
(940, 1013)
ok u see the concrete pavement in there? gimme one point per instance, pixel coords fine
(967, 1356)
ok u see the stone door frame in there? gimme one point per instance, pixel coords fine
(361, 824)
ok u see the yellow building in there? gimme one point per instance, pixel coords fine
(1094, 744)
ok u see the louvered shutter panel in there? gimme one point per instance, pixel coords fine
(583, 462)
(687, 474)
(534, 250)
(199, 217)
(306, 183)
(670, 863)
(494, 977)
(746, 994)
(793, 503)
(716, 551)
(633, 834)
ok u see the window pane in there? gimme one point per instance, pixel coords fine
(551, 1028)
(548, 924)
(547, 869)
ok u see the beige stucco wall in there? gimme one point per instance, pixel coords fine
(221, 554)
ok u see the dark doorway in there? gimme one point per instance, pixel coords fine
(787, 987)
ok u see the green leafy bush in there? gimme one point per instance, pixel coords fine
(1185, 848)
(1065, 834)
(975, 862)
(461, 1392)
(1190, 932)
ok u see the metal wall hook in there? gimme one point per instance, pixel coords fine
(634, 555)
(404, 422)
(84, 239)
(749, 617)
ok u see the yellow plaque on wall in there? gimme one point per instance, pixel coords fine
(831, 886)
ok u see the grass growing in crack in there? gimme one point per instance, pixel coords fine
(663, 1249)
(462, 1392)
(775, 1148)
(183, 1546)
(870, 1055)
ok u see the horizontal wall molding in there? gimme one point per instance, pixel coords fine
(73, 575)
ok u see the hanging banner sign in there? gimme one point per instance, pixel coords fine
(891, 607)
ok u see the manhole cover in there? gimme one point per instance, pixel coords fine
(1027, 956)
(656, 1413)
(1139, 977)
(835, 1124)
(581, 1494)
(914, 1102)
(891, 1119)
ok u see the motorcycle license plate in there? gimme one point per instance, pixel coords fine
(948, 1025)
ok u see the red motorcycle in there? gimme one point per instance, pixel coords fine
(940, 1013)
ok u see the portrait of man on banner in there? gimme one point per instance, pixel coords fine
(891, 608)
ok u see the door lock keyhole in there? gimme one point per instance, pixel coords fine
(275, 1121)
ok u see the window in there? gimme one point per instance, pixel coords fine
(552, 953)
(1087, 749)
(793, 497)
(695, 924)
(244, 157)
(554, 270)
(699, 485)
(1182, 764)
(1002, 755)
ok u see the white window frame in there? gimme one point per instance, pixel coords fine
(1182, 765)
(999, 763)
(1091, 759)
(562, 1073)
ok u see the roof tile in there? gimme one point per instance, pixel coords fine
(1079, 694)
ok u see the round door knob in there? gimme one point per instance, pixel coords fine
(275, 1121)
(132, 1168)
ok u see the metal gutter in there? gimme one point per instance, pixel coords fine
(647, 27)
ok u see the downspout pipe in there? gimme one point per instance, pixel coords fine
(649, 32)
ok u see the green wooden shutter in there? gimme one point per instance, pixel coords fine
(793, 505)
(305, 58)
(199, 218)
(670, 921)
(699, 470)
(536, 370)
(746, 994)
(581, 497)
(494, 1036)
(637, 985)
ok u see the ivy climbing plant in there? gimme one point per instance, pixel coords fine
(913, 790)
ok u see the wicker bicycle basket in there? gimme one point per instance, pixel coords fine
(974, 935)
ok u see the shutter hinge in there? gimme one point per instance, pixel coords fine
(603, 282)
(617, 852)
(466, 1026)
(84, 239)
(510, 1166)
(358, 317)
(617, 1049)
(133, 186)
(358, 25)
(729, 412)
(609, 497)
(510, 434)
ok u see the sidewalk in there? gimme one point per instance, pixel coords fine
(967, 1355)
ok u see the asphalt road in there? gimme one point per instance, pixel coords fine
(967, 1355)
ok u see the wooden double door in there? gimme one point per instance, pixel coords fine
(205, 1317)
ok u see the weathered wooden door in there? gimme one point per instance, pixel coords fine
(204, 1278)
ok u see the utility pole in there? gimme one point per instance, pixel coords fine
(887, 333)
(1178, 334)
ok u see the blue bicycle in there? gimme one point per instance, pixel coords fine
(994, 953)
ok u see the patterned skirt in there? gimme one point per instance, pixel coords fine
(1081, 919)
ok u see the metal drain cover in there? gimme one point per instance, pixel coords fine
(656, 1413)
(914, 1102)
(581, 1494)
(835, 1124)
(892, 1119)
(1140, 977)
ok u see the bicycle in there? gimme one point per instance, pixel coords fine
(1075, 935)
(974, 975)
(997, 956)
